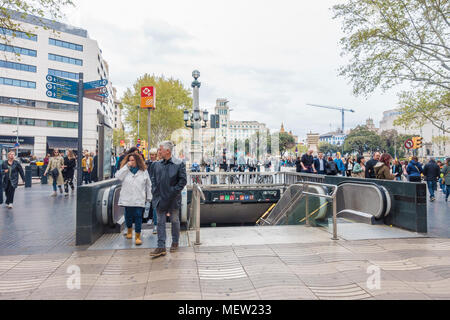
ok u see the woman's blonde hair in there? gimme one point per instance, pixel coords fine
(137, 157)
(70, 154)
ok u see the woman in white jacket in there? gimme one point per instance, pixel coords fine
(136, 190)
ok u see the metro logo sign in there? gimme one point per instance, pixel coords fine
(148, 98)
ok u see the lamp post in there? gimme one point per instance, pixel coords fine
(17, 128)
(195, 118)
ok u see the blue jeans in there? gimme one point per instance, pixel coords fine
(432, 186)
(54, 185)
(175, 220)
(155, 217)
(86, 177)
(134, 214)
(447, 192)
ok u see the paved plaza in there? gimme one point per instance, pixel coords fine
(38, 260)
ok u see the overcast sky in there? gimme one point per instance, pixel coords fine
(268, 58)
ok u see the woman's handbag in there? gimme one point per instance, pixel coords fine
(54, 173)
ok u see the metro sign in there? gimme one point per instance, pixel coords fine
(148, 98)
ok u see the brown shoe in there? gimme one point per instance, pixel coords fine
(174, 247)
(158, 252)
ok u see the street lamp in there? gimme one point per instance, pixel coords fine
(195, 118)
(17, 128)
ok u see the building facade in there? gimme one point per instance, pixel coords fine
(436, 142)
(42, 123)
(336, 138)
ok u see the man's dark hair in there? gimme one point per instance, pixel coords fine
(132, 150)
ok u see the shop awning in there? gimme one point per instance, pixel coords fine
(62, 143)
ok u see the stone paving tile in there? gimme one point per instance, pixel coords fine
(243, 295)
(122, 292)
(169, 274)
(336, 279)
(85, 269)
(226, 285)
(340, 292)
(316, 269)
(394, 288)
(439, 287)
(275, 280)
(393, 265)
(120, 280)
(301, 260)
(161, 264)
(173, 285)
(430, 261)
(174, 296)
(420, 275)
(259, 260)
(441, 270)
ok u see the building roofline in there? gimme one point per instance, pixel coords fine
(43, 22)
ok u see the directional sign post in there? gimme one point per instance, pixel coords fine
(148, 102)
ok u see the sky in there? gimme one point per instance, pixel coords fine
(268, 58)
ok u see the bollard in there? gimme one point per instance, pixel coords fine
(28, 174)
(44, 179)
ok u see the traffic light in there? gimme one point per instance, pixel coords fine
(417, 142)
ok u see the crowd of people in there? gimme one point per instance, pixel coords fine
(380, 166)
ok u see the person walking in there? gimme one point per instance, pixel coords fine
(414, 170)
(153, 159)
(332, 169)
(397, 170)
(359, 170)
(70, 164)
(431, 171)
(55, 167)
(169, 179)
(446, 176)
(383, 168)
(94, 173)
(370, 173)
(349, 164)
(86, 165)
(340, 164)
(441, 177)
(11, 170)
(135, 192)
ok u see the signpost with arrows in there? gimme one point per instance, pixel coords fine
(63, 89)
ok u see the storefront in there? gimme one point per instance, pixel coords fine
(26, 146)
(62, 144)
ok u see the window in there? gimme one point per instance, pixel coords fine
(15, 101)
(18, 50)
(17, 83)
(64, 44)
(26, 122)
(8, 120)
(62, 106)
(63, 74)
(18, 34)
(17, 66)
(55, 57)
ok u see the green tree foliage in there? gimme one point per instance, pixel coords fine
(326, 147)
(393, 143)
(391, 42)
(362, 140)
(286, 142)
(51, 9)
(171, 99)
(119, 134)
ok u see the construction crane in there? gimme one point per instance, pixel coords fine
(334, 108)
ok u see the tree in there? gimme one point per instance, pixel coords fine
(119, 134)
(171, 99)
(400, 41)
(40, 8)
(326, 148)
(286, 142)
(362, 140)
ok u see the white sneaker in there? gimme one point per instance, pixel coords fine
(155, 230)
(10, 206)
(54, 194)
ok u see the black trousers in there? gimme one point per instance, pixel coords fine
(9, 191)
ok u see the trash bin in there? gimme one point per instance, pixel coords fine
(28, 174)
(44, 179)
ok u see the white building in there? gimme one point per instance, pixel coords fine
(335, 138)
(46, 123)
(436, 143)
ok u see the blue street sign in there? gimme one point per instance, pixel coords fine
(16, 145)
(65, 90)
(95, 84)
(61, 96)
(61, 81)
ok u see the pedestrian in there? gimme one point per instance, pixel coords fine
(446, 172)
(414, 170)
(298, 165)
(169, 177)
(68, 172)
(94, 173)
(340, 164)
(46, 159)
(113, 164)
(307, 162)
(86, 166)
(320, 164)
(370, 173)
(154, 153)
(359, 170)
(11, 170)
(431, 171)
(332, 167)
(349, 164)
(383, 168)
(441, 177)
(136, 190)
(405, 172)
(55, 167)
(397, 170)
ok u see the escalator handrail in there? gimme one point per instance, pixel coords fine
(112, 191)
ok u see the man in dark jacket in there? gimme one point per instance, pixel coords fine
(370, 166)
(431, 171)
(168, 180)
(307, 162)
(321, 164)
(150, 163)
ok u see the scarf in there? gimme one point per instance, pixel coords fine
(134, 170)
